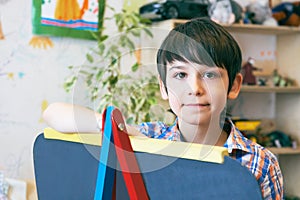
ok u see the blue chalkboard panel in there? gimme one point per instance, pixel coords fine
(67, 170)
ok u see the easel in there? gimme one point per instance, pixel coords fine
(123, 168)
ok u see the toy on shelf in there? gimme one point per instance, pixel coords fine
(247, 72)
(262, 81)
(170, 9)
(264, 132)
(222, 11)
(225, 11)
(281, 81)
(287, 13)
(259, 13)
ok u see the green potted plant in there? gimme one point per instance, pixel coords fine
(134, 93)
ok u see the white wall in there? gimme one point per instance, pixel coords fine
(30, 78)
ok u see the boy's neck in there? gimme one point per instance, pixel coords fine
(211, 135)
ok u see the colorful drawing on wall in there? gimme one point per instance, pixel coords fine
(9, 74)
(41, 42)
(1, 32)
(2, 2)
(68, 18)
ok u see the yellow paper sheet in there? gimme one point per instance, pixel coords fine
(185, 150)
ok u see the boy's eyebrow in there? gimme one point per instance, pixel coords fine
(197, 68)
(177, 67)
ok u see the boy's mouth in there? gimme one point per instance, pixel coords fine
(196, 104)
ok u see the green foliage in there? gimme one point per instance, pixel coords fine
(133, 93)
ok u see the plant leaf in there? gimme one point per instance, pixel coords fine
(99, 74)
(130, 120)
(148, 32)
(90, 58)
(135, 67)
(69, 83)
(136, 32)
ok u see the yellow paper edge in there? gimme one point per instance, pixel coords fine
(177, 149)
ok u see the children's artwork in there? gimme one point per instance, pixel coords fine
(68, 18)
(2, 2)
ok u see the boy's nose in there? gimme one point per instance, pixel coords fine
(196, 87)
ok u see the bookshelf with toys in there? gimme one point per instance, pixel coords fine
(275, 50)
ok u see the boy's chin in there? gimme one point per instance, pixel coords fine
(195, 120)
(200, 119)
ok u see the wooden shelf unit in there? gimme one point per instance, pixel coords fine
(282, 103)
(243, 28)
(284, 150)
(267, 89)
(261, 29)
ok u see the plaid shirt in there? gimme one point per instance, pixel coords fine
(260, 161)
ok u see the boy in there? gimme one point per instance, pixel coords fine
(199, 65)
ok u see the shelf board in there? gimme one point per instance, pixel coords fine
(262, 29)
(264, 89)
(248, 28)
(284, 150)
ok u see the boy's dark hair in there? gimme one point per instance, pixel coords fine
(201, 41)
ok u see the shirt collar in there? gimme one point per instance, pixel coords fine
(235, 140)
(175, 130)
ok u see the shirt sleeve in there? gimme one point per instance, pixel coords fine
(272, 185)
(151, 129)
(159, 130)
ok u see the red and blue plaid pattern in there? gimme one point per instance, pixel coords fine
(259, 160)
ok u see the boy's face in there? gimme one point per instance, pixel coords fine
(197, 94)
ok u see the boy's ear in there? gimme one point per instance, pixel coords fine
(163, 90)
(236, 86)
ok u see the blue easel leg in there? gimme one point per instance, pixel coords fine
(107, 164)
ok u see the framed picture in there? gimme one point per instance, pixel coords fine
(68, 18)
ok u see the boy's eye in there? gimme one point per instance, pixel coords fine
(180, 75)
(211, 75)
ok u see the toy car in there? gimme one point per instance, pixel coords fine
(176, 9)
